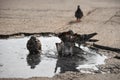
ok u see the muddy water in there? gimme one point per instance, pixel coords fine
(14, 63)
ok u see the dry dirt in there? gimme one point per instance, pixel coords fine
(35, 16)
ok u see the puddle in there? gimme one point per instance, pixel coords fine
(14, 55)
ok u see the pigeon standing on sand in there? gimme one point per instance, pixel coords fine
(78, 13)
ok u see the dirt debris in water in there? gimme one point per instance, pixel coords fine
(112, 65)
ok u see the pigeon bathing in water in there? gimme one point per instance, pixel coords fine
(78, 13)
(34, 45)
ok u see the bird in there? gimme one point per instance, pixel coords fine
(34, 45)
(82, 39)
(78, 13)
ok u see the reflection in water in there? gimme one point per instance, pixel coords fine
(33, 59)
(69, 63)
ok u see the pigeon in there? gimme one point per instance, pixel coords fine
(78, 13)
(33, 45)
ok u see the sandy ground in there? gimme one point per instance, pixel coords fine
(35, 16)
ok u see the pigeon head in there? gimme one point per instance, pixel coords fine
(78, 6)
(33, 38)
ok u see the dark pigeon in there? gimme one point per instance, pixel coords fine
(33, 45)
(78, 13)
(82, 39)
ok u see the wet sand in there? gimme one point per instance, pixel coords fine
(36, 16)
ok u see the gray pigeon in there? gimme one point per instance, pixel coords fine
(78, 13)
